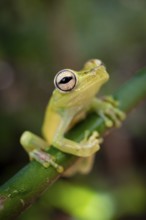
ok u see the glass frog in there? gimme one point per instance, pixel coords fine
(74, 96)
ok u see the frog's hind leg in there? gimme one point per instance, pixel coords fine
(83, 166)
(86, 164)
(36, 147)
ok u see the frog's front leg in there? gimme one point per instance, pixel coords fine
(108, 110)
(36, 147)
(83, 149)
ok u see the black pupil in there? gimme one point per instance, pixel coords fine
(65, 79)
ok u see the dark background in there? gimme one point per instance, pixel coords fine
(39, 38)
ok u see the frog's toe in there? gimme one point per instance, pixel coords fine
(94, 136)
(95, 139)
(91, 145)
(111, 100)
(45, 159)
(120, 114)
(116, 115)
(107, 120)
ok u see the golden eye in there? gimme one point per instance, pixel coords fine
(65, 80)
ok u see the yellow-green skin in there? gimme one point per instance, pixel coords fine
(67, 108)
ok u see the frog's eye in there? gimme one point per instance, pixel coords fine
(65, 80)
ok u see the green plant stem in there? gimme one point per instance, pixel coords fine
(30, 182)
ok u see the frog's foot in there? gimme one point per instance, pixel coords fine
(110, 112)
(35, 147)
(45, 159)
(92, 143)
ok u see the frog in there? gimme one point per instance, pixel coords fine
(73, 98)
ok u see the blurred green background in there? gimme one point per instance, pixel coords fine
(39, 38)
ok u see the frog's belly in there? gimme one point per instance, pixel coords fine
(52, 120)
(50, 125)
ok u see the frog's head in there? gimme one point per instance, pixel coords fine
(77, 88)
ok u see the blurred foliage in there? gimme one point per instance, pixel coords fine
(37, 39)
(84, 203)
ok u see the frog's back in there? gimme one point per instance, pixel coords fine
(51, 121)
